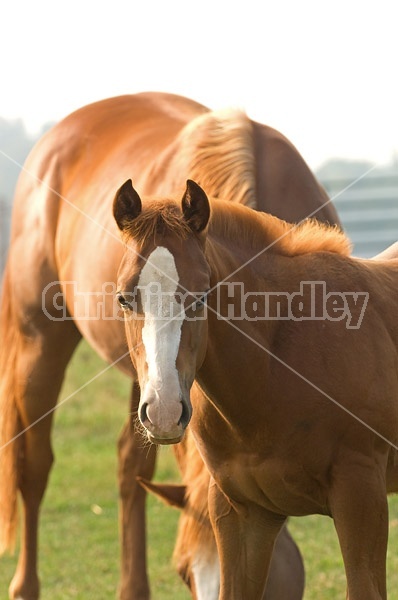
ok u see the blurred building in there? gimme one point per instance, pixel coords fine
(366, 199)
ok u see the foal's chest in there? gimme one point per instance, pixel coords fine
(279, 486)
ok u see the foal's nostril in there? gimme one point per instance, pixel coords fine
(143, 413)
(186, 414)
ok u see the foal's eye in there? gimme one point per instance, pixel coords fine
(122, 301)
(201, 301)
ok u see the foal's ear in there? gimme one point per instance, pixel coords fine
(170, 493)
(195, 206)
(126, 205)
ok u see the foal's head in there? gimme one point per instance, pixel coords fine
(163, 280)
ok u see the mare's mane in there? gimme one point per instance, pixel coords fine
(242, 226)
(216, 149)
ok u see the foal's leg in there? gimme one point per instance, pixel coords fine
(358, 502)
(135, 459)
(43, 353)
(245, 540)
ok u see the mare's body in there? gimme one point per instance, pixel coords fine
(63, 231)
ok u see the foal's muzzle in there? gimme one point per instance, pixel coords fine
(165, 423)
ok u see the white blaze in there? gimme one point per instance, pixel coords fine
(161, 333)
(206, 574)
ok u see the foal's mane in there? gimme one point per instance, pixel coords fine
(158, 217)
(261, 230)
(242, 226)
(216, 149)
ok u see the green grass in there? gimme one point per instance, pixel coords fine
(318, 543)
(79, 550)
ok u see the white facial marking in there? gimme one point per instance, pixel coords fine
(206, 573)
(161, 333)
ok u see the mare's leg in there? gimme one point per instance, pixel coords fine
(135, 459)
(245, 539)
(359, 508)
(44, 350)
(286, 578)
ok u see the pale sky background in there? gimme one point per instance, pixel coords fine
(324, 73)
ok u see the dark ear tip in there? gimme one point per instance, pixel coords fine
(127, 186)
(193, 186)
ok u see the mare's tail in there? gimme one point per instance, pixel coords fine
(9, 420)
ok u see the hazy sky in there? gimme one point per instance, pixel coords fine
(323, 73)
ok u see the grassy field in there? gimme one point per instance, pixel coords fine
(79, 552)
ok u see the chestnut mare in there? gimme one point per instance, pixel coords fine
(296, 355)
(65, 246)
(195, 552)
